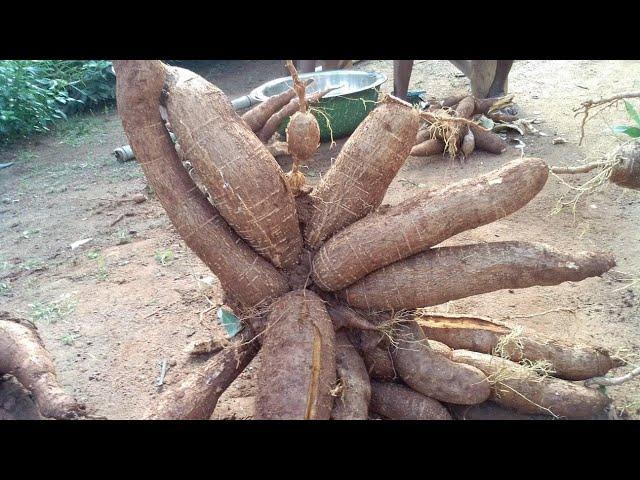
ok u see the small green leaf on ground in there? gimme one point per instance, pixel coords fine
(164, 257)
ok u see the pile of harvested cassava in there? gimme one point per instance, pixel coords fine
(23, 356)
(319, 277)
(451, 126)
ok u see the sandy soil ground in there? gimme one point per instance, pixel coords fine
(113, 309)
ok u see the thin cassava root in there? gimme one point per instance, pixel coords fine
(622, 168)
(258, 115)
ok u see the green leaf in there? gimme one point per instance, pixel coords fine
(631, 111)
(633, 132)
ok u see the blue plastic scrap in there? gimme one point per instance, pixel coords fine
(230, 322)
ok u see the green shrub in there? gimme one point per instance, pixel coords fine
(36, 93)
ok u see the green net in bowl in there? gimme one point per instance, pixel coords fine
(340, 116)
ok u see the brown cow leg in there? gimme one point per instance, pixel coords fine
(401, 75)
(497, 89)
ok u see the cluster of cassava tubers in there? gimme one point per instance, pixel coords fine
(319, 277)
(449, 127)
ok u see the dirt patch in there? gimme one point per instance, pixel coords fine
(113, 309)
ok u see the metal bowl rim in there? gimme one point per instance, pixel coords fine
(379, 79)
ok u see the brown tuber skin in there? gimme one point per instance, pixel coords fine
(353, 401)
(259, 206)
(425, 220)
(433, 374)
(374, 349)
(468, 143)
(398, 402)
(358, 180)
(303, 136)
(22, 354)
(433, 146)
(434, 277)
(247, 278)
(423, 135)
(489, 411)
(517, 387)
(466, 107)
(345, 317)
(569, 361)
(488, 141)
(298, 369)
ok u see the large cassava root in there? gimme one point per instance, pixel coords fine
(518, 387)
(259, 206)
(466, 332)
(433, 374)
(449, 273)
(358, 180)
(23, 355)
(398, 402)
(428, 147)
(425, 220)
(298, 369)
(247, 278)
